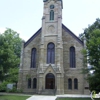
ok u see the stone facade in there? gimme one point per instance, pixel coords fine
(52, 31)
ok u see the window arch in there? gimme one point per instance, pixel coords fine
(33, 58)
(75, 83)
(29, 83)
(51, 15)
(69, 83)
(72, 58)
(50, 81)
(51, 53)
(34, 83)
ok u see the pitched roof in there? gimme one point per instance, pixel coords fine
(63, 26)
(72, 34)
(35, 35)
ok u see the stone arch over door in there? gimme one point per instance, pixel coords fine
(50, 81)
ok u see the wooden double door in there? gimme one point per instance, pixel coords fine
(50, 81)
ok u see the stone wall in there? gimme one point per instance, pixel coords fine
(26, 71)
(72, 73)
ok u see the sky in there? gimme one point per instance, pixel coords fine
(24, 16)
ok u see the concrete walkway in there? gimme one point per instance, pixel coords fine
(41, 97)
(44, 97)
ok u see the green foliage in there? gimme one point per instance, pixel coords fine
(91, 28)
(87, 31)
(10, 48)
(93, 94)
(3, 86)
(13, 74)
(92, 54)
(11, 90)
(14, 90)
(93, 46)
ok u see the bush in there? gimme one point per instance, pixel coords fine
(11, 90)
(3, 86)
(14, 90)
(19, 91)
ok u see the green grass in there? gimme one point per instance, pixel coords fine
(76, 99)
(13, 97)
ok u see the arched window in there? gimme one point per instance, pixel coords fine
(72, 57)
(33, 58)
(51, 53)
(29, 83)
(69, 83)
(75, 83)
(34, 83)
(51, 15)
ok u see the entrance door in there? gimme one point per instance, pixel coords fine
(50, 81)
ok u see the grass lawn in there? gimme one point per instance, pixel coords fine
(76, 99)
(13, 97)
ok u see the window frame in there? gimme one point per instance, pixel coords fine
(34, 83)
(51, 53)
(76, 83)
(29, 83)
(33, 57)
(72, 57)
(70, 84)
(51, 15)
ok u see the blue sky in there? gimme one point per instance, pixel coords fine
(24, 16)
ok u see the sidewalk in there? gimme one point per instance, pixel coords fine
(39, 97)
(74, 95)
(46, 97)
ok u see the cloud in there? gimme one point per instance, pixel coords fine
(2, 29)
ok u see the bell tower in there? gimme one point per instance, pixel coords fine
(51, 48)
(52, 19)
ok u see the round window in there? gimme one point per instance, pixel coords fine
(51, 6)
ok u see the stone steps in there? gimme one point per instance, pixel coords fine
(48, 92)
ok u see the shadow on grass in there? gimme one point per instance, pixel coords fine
(2, 97)
(13, 97)
(73, 99)
(76, 99)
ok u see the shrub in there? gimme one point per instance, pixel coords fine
(3, 86)
(14, 90)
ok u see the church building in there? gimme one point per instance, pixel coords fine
(51, 60)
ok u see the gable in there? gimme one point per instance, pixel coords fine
(72, 34)
(63, 27)
(34, 36)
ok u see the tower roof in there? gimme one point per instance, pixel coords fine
(57, 0)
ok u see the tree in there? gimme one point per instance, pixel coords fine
(10, 48)
(93, 47)
(92, 53)
(87, 31)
